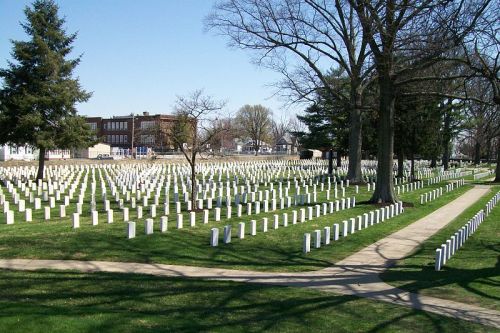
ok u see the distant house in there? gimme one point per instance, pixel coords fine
(249, 147)
(20, 153)
(287, 144)
(28, 153)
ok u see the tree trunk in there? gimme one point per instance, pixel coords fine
(497, 171)
(477, 153)
(330, 162)
(355, 141)
(384, 191)
(412, 154)
(446, 139)
(193, 181)
(41, 163)
(339, 159)
(446, 157)
(401, 161)
(433, 161)
(488, 151)
(412, 166)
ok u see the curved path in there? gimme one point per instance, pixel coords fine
(357, 274)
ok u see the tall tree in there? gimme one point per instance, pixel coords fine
(304, 40)
(415, 29)
(39, 93)
(255, 121)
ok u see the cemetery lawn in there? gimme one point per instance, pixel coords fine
(471, 276)
(67, 302)
(276, 250)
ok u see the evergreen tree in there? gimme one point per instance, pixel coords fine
(326, 124)
(38, 96)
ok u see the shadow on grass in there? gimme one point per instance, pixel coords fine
(417, 278)
(178, 247)
(108, 302)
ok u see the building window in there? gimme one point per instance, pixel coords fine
(147, 139)
(93, 126)
(105, 126)
(147, 124)
(125, 138)
(125, 126)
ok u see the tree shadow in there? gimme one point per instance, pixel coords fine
(418, 278)
(111, 302)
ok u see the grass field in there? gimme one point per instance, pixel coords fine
(73, 302)
(471, 276)
(276, 250)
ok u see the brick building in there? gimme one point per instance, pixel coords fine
(151, 131)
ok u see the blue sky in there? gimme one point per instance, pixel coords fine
(139, 55)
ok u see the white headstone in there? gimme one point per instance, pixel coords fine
(214, 237)
(179, 221)
(148, 227)
(130, 230)
(76, 220)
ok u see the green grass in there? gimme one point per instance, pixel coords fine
(276, 250)
(473, 273)
(101, 302)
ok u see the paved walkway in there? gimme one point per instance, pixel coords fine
(357, 274)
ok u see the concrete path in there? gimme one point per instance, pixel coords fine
(357, 274)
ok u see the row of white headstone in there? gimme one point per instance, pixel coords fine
(409, 187)
(349, 227)
(109, 211)
(44, 189)
(457, 240)
(148, 227)
(78, 176)
(447, 175)
(300, 216)
(483, 174)
(436, 193)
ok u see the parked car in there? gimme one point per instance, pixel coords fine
(104, 157)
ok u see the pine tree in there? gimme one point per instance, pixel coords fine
(39, 94)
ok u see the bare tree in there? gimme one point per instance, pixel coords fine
(254, 121)
(484, 119)
(194, 129)
(304, 40)
(481, 51)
